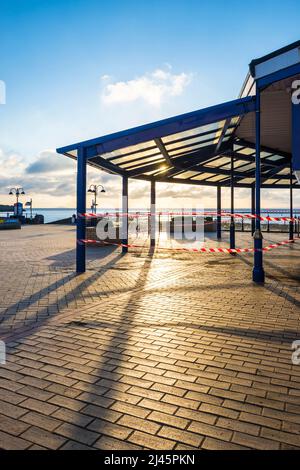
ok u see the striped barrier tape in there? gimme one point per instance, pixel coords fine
(89, 215)
(195, 250)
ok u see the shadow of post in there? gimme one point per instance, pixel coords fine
(84, 282)
(120, 336)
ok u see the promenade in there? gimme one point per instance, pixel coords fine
(146, 350)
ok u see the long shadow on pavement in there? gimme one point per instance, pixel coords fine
(120, 335)
(74, 293)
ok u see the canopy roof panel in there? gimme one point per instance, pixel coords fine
(197, 147)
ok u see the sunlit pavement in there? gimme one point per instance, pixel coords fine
(155, 350)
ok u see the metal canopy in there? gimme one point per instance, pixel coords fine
(197, 147)
(243, 143)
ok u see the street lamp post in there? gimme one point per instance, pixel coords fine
(18, 192)
(95, 189)
(29, 204)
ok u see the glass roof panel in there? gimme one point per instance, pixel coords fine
(135, 156)
(192, 132)
(189, 144)
(244, 151)
(250, 166)
(247, 180)
(202, 176)
(187, 174)
(274, 158)
(271, 181)
(228, 131)
(139, 159)
(218, 162)
(237, 164)
(194, 140)
(285, 171)
(142, 163)
(162, 169)
(184, 150)
(235, 120)
(145, 147)
(265, 154)
(218, 178)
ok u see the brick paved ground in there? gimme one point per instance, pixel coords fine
(146, 351)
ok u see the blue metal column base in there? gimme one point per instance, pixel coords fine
(232, 234)
(81, 209)
(219, 208)
(125, 214)
(258, 274)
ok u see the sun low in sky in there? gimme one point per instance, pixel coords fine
(77, 69)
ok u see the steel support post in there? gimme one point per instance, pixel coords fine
(81, 209)
(219, 209)
(258, 270)
(124, 213)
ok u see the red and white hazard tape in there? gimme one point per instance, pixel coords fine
(88, 215)
(195, 250)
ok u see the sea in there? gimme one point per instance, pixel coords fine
(54, 214)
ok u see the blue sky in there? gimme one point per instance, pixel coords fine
(76, 69)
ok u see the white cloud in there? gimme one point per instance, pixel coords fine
(50, 179)
(11, 164)
(49, 161)
(153, 88)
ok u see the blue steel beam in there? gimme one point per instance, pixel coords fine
(165, 127)
(295, 136)
(223, 133)
(105, 165)
(163, 151)
(277, 76)
(272, 55)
